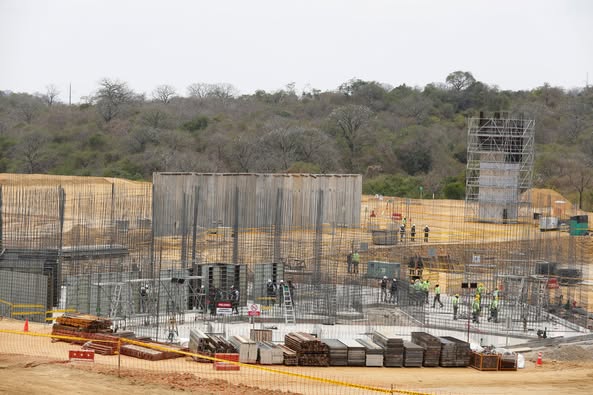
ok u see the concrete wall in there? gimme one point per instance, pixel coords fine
(25, 289)
(264, 200)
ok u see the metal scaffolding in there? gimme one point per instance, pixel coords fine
(500, 154)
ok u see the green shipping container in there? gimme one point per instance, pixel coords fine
(578, 229)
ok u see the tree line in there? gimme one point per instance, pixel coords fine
(401, 139)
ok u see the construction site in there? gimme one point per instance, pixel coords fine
(232, 254)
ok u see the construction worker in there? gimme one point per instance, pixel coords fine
(426, 289)
(493, 310)
(355, 261)
(281, 292)
(393, 296)
(476, 310)
(437, 296)
(143, 298)
(455, 306)
(495, 293)
(349, 261)
(480, 290)
(413, 233)
(402, 232)
(404, 222)
(291, 289)
(235, 299)
(426, 231)
(418, 292)
(270, 291)
(383, 285)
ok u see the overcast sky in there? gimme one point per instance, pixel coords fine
(268, 44)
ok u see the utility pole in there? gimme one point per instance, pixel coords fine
(70, 94)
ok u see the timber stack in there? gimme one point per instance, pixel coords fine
(454, 352)
(431, 345)
(413, 355)
(394, 349)
(310, 351)
(338, 352)
(290, 356)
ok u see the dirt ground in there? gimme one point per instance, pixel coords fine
(35, 365)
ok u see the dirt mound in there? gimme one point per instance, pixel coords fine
(571, 353)
(53, 180)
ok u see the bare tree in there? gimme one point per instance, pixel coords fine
(30, 149)
(350, 121)
(220, 91)
(51, 94)
(579, 174)
(111, 97)
(282, 142)
(163, 93)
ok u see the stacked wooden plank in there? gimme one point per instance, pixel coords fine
(394, 349)
(413, 355)
(270, 354)
(148, 353)
(206, 344)
(356, 352)
(261, 335)
(311, 351)
(247, 348)
(290, 356)
(338, 352)
(85, 322)
(100, 347)
(431, 345)
(373, 351)
(454, 352)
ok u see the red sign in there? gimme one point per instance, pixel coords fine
(227, 305)
(553, 283)
(254, 310)
(396, 216)
(81, 355)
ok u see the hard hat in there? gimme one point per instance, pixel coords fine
(281, 281)
(384, 276)
(269, 280)
(456, 295)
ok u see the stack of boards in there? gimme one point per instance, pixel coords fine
(431, 345)
(247, 349)
(310, 351)
(356, 353)
(394, 349)
(413, 355)
(270, 353)
(290, 356)
(454, 352)
(338, 352)
(374, 352)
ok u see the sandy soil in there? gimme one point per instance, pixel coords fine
(33, 364)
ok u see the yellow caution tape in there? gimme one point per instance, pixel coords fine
(28, 313)
(5, 302)
(190, 354)
(61, 311)
(34, 306)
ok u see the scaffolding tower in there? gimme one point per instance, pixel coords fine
(500, 154)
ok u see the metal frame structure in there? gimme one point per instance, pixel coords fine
(500, 154)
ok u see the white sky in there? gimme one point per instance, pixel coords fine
(257, 44)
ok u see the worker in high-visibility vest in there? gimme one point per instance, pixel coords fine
(437, 296)
(455, 306)
(476, 310)
(493, 310)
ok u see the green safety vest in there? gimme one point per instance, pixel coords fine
(355, 257)
(455, 302)
(494, 304)
(437, 290)
(476, 306)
